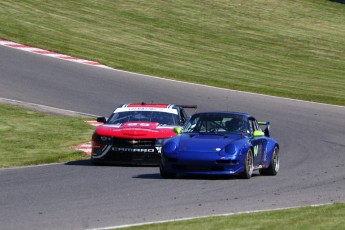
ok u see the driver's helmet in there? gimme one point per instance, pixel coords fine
(234, 125)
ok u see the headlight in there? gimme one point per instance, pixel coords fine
(102, 139)
(230, 149)
(105, 138)
(169, 147)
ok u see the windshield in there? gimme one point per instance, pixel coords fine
(162, 118)
(217, 123)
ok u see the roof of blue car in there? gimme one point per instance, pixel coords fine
(226, 112)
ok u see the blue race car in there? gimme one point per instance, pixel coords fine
(220, 143)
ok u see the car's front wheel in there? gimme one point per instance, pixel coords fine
(273, 168)
(167, 175)
(248, 166)
(94, 162)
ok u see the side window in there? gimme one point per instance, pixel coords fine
(257, 127)
(253, 125)
(193, 125)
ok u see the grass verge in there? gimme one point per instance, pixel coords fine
(29, 137)
(289, 48)
(313, 218)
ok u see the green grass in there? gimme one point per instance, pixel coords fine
(314, 218)
(292, 48)
(28, 137)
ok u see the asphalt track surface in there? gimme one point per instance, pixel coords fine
(77, 195)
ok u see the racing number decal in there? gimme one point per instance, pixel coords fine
(257, 147)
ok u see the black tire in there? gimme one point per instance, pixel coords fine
(95, 163)
(273, 168)
(166, 175)
(248, 166)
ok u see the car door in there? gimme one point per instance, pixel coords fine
(258, 143)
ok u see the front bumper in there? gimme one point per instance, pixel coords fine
(111, 155)
(201, 167)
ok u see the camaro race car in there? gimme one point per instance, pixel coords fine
(134, 133)
(221, 143)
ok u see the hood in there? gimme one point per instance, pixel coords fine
(205, 142)
(136, 130)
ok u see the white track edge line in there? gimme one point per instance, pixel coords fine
(232, 90)
(191, 83)
(47, 107)
(32, 166)
(198, 217)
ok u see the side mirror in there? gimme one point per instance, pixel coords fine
(258, 133)
(178, 130)
(101, 119)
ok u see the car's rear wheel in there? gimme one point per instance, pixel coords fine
(248, 166)
(166, 174)
(273, 168)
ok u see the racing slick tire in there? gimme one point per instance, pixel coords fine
(94, 163)
(166, 175)
(248, 166)
(273, 168)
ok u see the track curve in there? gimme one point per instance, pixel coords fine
(76, 195)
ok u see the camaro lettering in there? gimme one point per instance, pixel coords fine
(134, 150)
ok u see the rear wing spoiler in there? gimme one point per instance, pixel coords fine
(267, 129)
(189, 107)
(267, 123)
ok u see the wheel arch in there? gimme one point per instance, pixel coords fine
(270, 146)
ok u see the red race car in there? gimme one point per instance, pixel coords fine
(135, 133)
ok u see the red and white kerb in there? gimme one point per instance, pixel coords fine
(86, 147)
(49, 53)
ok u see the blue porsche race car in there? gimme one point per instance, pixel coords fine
(221, 143)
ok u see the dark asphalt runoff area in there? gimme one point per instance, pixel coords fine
(76, 195)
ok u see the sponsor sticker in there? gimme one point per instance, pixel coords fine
(166, 110)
